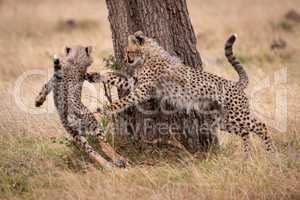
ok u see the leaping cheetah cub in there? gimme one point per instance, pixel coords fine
(66, 83)
(157, 73)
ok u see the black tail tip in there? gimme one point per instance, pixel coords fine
(56, 60)
(232, 38)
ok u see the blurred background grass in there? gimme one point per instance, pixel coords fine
(37, 160)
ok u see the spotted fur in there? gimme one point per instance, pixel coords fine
(158, 74)
(66, 83)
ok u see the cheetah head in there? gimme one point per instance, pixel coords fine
(79, 56)
(134, 55)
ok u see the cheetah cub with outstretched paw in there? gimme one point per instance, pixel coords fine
(159, 74)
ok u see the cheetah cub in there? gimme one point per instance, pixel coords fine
(158, 74)
(70, 71)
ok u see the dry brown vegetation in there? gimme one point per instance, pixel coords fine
(37, 160)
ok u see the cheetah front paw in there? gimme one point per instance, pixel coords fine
(122, 163)
(104, 111)
(101, 111)
(93, 77)
(102, 138)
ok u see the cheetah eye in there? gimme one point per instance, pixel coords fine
(140, 39)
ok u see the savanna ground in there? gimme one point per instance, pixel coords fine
(37, 160)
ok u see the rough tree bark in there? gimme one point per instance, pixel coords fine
(169, 23)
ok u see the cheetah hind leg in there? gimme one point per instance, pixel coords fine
(93, 155)
(261, 130)
(247, 145)
(244, 134)
(117, 159)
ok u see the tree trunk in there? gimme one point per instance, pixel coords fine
(169, 23)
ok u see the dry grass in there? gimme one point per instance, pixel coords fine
(38, 162)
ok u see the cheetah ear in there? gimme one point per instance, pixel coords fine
(88, 50)
(67, 49)
(139, 35)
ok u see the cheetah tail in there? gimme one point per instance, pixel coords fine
(243, 77)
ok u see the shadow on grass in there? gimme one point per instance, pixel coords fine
(140, 154)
